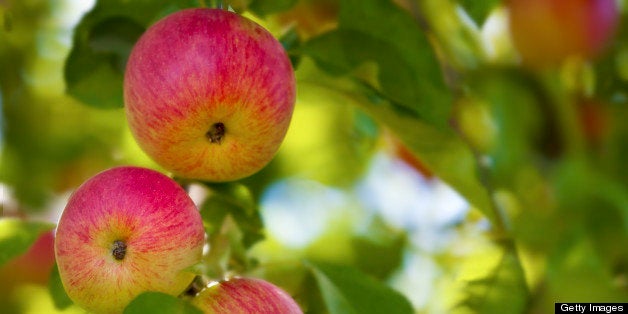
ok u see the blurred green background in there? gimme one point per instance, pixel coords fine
(424, 164)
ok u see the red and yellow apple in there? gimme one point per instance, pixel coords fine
(245, 296)
(545, 32)
(125, 231)
(209, 94)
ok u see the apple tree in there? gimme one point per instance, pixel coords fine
(329, 156)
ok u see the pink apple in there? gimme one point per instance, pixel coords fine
(209, 94)
(547, 31)
(245, 296)
(125, 231)
(34, 266)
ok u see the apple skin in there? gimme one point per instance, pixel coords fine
(545, 32)
(209, 94)
(151, 214)
(245, 296)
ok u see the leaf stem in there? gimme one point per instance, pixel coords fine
(499, 220)
(183, 183)
(220, 4)
(502, 234)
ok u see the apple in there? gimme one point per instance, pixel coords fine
(33, 266)
(243, 296)
(124, 231)
(209, 94)
(545, 32)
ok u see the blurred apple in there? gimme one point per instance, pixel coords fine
(30, 270)
(34, 266)
(545, 32)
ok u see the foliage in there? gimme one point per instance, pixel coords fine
(57, 292)
(16, 236)
(346, 290)
(157, 302)
(539, 155)
(102, 42)
(492, 282)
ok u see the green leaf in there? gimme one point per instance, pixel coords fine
(492, 281)
(576, 271)
(391, 71)
(440, 149)
(380, 249)
(407, 71)
(102, 41)
(236, 200)
(330, 140)
(60, 298)
(17, 236)
(265, 7)
(523, 126)
(227, 253)
(94, 70)
(7, 21)
(599, 192)
(479, 10)
(347, 290)
(157, 302)
(233, 223)
(443, 151)
(290, 41)
(593, 202)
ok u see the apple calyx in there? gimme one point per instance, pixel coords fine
(119, 250)
(216, 133)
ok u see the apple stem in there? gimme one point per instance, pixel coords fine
(197, 285)
(216, 132)
(119, 249)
